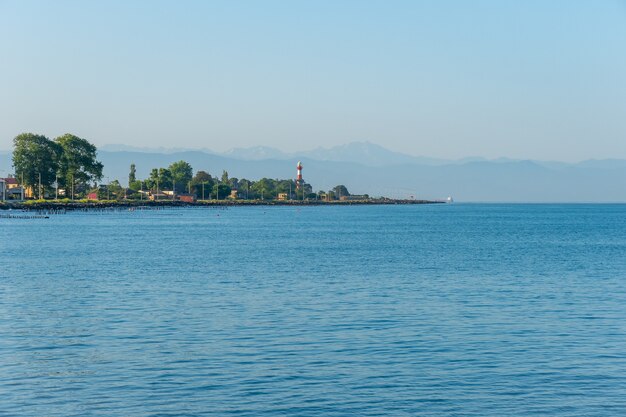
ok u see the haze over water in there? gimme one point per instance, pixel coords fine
(487, 310)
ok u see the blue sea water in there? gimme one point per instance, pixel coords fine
(446, 310)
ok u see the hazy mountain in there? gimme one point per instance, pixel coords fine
(367, 153)
(118, 147)
(364, 153)
(256, 153)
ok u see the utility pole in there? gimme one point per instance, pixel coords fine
(203, 190)
(39, 186)
(56, 181)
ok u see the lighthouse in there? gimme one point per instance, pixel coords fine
(299, 181)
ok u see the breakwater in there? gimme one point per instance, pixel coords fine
(57, 206)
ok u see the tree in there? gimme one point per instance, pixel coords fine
(160, 178)
(243, 187)
(131, 176)
(225, 177)
(286, 186)
(201, 176)
(181, 173)
(202, 184)
(78, 163)
(305, 191)
(341, 191)
(35, 158)
(138, 185)
(221, 191)
(115, 188)
(264, 188)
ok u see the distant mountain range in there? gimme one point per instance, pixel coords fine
(369, 168)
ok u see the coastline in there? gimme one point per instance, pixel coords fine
(52, 205)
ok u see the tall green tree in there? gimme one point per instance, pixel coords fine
(78, 163)
(36, 160)
(132, 175)
(160, 178)
(202, 184)
(221, 191)
(243, 187)
(341, 191)
(264, 188)
(181, 174)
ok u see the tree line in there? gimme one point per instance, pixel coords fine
(179, 177)
(69, 163)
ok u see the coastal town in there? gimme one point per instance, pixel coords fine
(66, 171)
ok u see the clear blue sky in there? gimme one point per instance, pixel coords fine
(523, 79)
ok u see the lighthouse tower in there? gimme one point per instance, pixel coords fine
(299, 180)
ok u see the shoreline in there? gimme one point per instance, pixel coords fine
(33, 205)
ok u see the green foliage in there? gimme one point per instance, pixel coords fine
(201, 176)
(35, 158)
(77, 162)
(115, 189)
(137, 185)
(224, 191)
(243, 186)
(181, 174)
(304, 191)
(132, 174)
(160, 178)
(264, 189)
(341, 191)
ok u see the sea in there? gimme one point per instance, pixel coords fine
(398, 310)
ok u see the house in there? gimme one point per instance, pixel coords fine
(93, 196)
(282, 196)
(187, 198)
(233, 194)
(159, 196)
(10, 189)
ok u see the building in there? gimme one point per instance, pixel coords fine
(282, 196)
(159, 196)
(187, 198)
(299, 180)
(93, 196)
(10, 189)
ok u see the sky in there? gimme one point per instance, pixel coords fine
(528, 79)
